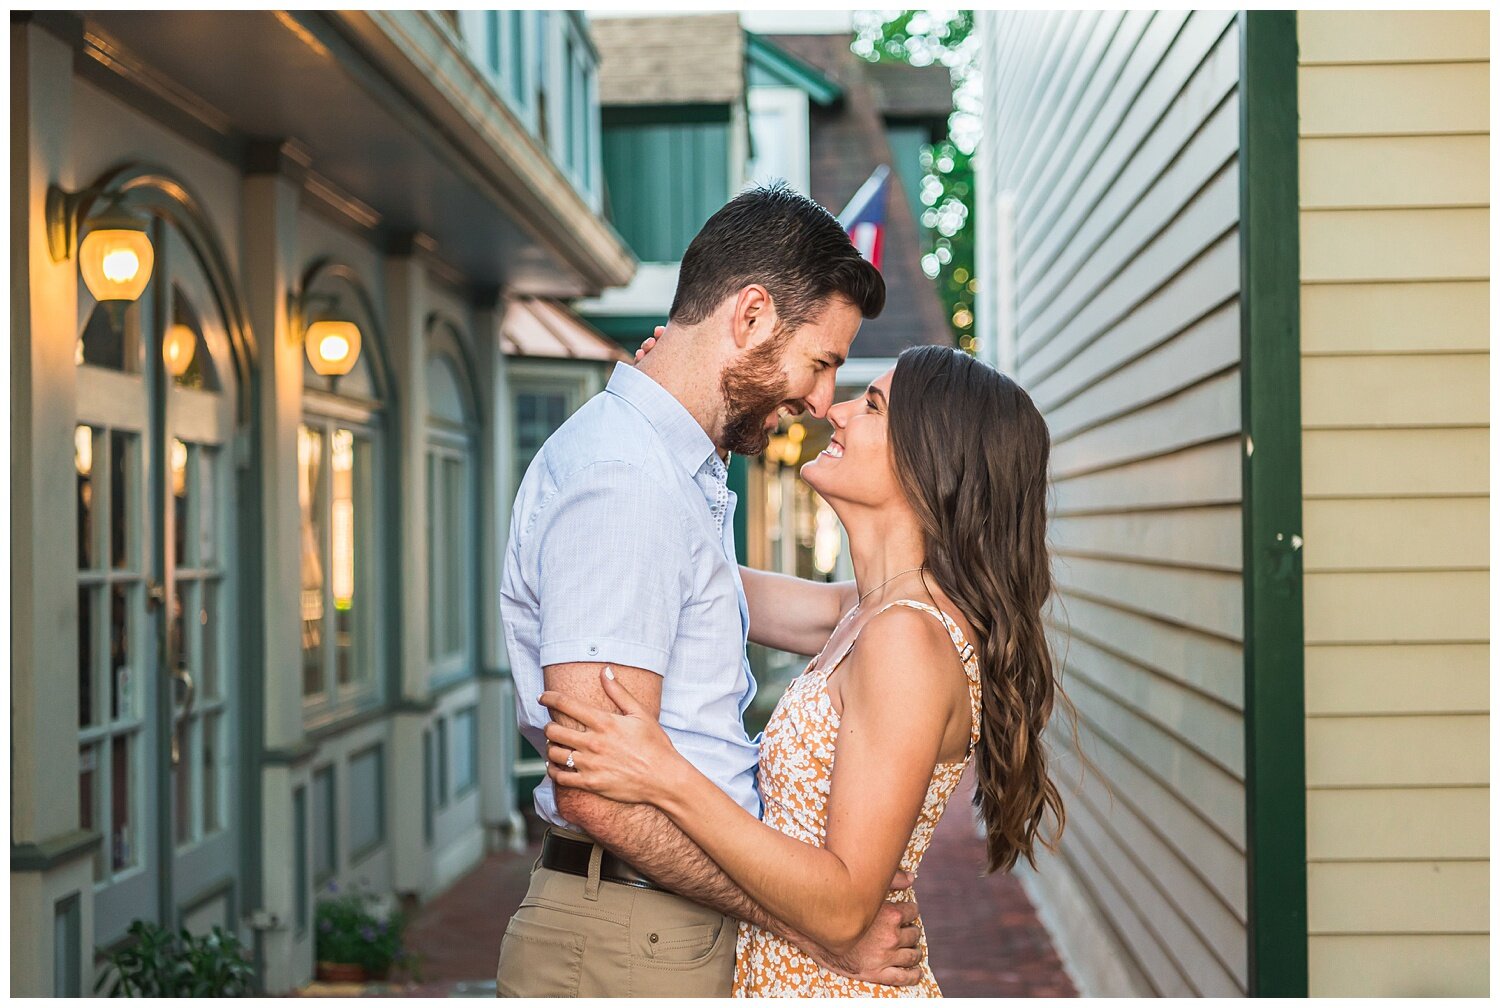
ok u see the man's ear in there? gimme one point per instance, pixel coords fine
(754, 316)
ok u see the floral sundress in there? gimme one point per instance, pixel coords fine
(796, 770)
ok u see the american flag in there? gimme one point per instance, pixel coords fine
(864, 217)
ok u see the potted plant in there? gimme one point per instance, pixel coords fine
(158, 963)
(357, 940)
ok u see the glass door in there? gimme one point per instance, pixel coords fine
(157, 733)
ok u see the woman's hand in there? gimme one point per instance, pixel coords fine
(649, 343)
(623, 757)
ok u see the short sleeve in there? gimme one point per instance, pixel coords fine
(611, 564)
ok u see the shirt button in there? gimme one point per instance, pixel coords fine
(593, 650)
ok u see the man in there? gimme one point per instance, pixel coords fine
(622, 552)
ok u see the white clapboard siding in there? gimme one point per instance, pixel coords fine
(1396, 318)
(1116, 134)
(1397, 679)
(1398, 824)
(1404, 965)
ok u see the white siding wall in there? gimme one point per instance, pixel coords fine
(1117, 135)
(1394, 158)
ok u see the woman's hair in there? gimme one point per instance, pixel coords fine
(970, 451)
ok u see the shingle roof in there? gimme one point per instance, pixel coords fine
(686, 59)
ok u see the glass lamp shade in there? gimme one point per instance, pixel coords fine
(116, 263)
(177, 349)
(332, 347)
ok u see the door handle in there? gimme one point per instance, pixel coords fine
(181, 675)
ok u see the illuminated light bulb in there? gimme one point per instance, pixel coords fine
(333, 347)
(116, 263)
(177, 349)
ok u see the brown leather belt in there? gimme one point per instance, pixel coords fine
(565, 854)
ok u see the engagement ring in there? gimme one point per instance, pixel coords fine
(569, 764)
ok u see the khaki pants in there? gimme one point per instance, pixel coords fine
(577, 937)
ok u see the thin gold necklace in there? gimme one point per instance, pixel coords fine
(884, 583)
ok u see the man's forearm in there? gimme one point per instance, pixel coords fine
(653, 844)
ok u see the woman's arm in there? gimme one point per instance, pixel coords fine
(791, 614)
(894, 718)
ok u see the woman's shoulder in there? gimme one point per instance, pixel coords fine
(903, 644)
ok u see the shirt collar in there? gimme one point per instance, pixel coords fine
(685, 438)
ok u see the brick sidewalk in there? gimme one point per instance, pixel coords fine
(984, 936)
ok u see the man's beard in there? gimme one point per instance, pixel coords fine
(752, 391)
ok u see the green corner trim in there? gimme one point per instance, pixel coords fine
(53, 852)
(787, 68)
(663, 115)
(1270, 375)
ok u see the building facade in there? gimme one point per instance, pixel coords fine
(1213, 247)
(256, 646)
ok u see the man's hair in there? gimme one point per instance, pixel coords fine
(776, 237)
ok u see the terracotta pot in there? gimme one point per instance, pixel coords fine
(336, 972)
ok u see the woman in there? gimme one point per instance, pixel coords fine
(939, 474)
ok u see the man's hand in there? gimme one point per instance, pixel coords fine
(888, 952)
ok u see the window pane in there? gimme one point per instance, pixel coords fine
(177, 460)
(538, 414)
(464, 755)
(208, 479)
(342, 531)
(310, 495)
(182, 786)
(492, 40)
(121, 694)
(325, 839)
(434, 537)
(88, 798)
(517, 54)
(208, 659)
(111, 337)
(122, 499)
(456, 549)
(185, 352)
(366, 800)
(442, 762)
(213, 726)
(85, 441)
(86, 597)
(122, 839)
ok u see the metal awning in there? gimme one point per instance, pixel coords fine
(539, 327)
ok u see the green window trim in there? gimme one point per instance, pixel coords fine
(1270, 375)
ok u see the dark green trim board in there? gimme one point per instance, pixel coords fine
(776, 62)
(739, 483)
(1270, 375)
(662, 115)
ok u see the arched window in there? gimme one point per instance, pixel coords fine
(341, 453)
(452, 529)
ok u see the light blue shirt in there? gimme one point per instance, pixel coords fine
(622, 550)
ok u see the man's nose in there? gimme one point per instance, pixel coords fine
(821, 400)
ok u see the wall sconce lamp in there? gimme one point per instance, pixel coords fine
(332, 347)
(115, 257)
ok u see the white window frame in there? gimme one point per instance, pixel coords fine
(327, 412)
